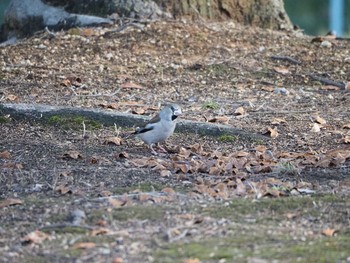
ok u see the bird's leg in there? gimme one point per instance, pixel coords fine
(153, 151)
(161, 148)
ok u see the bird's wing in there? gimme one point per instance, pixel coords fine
(149, 126)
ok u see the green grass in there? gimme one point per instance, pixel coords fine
(210, 105)
(74, 122)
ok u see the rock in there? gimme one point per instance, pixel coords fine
(24, 17)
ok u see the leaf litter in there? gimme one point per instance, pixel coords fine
(218, 74)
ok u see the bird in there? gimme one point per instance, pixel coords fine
(160, 127)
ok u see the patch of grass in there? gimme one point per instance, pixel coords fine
(239, 247)
(139, 212)
(3, 119)
(74, 122)
(287, 168)
(147, 187)
(227, 138)
(210, 105)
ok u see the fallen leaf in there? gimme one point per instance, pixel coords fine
(116, 202)
(100, 231)
(5, 155)
(271, 132)
(220, 119)
(316, 128)
(165, 173)
(9, 202)
(329, 232)
(347, 139)
(84, 245)
(113, 140)
(347, 86)
(346, 126)
(131, 85)
(168, 190)
(330, 87)
(106, 193)
(282, 70)
(122, 155)
(239, 111)
(138, 111)
(278, 121)
(36, 237)
(191, 260)
(117, 260)
(63, 189)
(319, 120)
(72, 155)
(11, 97)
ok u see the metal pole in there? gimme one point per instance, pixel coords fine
(336, 15)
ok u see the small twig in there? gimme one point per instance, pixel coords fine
(84, 129)
(328, 81)
(291, 60)
(178, 237)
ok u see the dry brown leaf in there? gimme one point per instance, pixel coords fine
(12, 165)
(282, 70)
(5, 155)
(330, 87)
(278, 121)
(11, 97)
(9, 202)
(271, 132)
(113, 140)
(63, 189)
(168, 191)
(347, 86)
(268, 88)
(122, 155)
(105, 193)
(84, 245)
(239, 111)
(117, 260)
(220, 119)
(319, 120)
(316, 128)
(347, 139)
(131, 85)
(36, 237)
(191, 260)
(165, 173)
(346, 126)
(87, 32)
(66, 83)
(138, 111)
(72, 155)
(329, 232)
(100, 231)
(116, 202)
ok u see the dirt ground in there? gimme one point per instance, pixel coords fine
(74, 195)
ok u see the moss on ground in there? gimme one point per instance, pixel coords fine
(74, 122)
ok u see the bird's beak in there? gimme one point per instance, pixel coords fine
(177, 112)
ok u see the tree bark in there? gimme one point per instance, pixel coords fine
(261, 13)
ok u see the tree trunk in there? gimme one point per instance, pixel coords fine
(262, 13)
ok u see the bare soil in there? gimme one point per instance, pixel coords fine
(71, 197)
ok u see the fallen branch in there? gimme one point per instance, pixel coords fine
(328, 81)
(289, 59)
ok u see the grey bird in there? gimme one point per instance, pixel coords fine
(160, 127)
